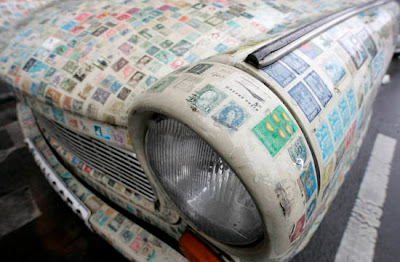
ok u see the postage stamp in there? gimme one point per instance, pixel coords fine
(207, 98)
(377, 64)
(123, 94)
(311, 50)
(275, 130)
(102, 132)
(356, 51)
(298, 152)
(119, 64)
(324, 139)
(365, 38)
(165, 56)
(58, 115)
(309, 181)
(305, 100)
(295, 63)
(298, 228)
(335, 70)
(318, 87)
(232, 116)
(101, 95)
(344, 112)
(279, 73)
(70, 67)
(68, 85)
(163, 83)
(336, 125)
(310, 209)
(199, 69)
(352, 101)
(180, 48)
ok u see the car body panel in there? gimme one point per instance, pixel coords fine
(99, 57)
(98, 69)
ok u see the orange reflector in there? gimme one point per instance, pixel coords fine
(194, 250)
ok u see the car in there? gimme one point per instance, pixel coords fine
(209, 131)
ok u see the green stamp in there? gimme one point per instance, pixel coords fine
(275, 130)
(207, 98)
(162, 84)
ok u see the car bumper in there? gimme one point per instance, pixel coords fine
(134, 242)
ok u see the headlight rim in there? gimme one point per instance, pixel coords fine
(139, 117)
(186, 218)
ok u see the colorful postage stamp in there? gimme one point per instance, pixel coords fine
(102, 132)
(232, 116)
(311, 50)
(207, 98)
(275, 130)
(324, 139)
(305, 100)
(295, 63)
(279, 73)
(318, 87)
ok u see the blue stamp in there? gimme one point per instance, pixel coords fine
(58, 115)
(352, 101)
(325, 141)
(101, 218)
(103, 132)
(279, 73)
(334, 70)
(336, 125)
(295, 63)
(311, 208)
(309, 181)
(305, 100)
(318, 87)
(115, 86)
(232, 116)
(377, 65)
(220, 48)
(68, 26)
(344, 112)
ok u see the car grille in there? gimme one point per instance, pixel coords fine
(120, 165)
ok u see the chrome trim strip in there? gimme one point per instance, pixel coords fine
(59, 186)
(273, 51)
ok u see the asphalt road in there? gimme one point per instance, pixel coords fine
(44, 229)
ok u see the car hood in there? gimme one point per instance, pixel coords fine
(95, 58)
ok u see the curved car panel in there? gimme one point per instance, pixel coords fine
(283, 128)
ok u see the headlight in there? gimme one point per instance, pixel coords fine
(201, 183)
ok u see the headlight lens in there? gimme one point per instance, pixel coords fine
(201, 184)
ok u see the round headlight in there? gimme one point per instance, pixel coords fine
(201, 184)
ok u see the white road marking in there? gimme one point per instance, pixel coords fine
(359, 239)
